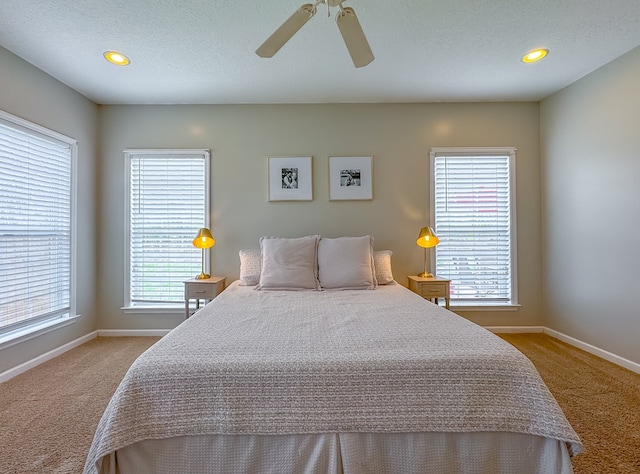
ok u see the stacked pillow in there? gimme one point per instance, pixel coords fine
(250, 265)
(289, 264)
(382, 264)
(314, 263)
(346, 263)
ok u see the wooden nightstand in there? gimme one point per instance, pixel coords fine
(430, 288)
(206, 289)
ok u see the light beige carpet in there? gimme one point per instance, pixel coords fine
(48, 415)
(600, 399)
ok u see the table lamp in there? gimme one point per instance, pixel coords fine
(426, 239)
(204, 240)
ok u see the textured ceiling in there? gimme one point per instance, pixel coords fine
(202, 52)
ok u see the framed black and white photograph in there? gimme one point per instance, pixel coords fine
(290, 178)
(350, 178)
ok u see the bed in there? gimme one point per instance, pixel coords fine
(345, 380)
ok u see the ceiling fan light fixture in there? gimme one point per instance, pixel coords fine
(116, 58)
(535, 55)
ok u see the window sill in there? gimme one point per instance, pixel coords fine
(166, 308)
(483, 307)
(29, 332)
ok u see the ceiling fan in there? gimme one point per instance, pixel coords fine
(348, 24)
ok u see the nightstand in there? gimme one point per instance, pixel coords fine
(206, 289)
(430, 288)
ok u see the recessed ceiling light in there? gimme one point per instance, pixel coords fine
(535, 55)
(116, 58)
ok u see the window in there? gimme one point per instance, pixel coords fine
(37, 214)
(167, 203)
(473, 214)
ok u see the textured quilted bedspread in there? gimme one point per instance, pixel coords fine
(287, 362)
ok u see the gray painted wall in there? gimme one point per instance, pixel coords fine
(590, 147)
(241, 137)
(29, 93)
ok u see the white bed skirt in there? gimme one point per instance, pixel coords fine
(348, 453)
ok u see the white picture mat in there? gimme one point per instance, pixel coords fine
(301, 168)
(350, 177)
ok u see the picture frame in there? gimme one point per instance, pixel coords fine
(290, 178)
(350, 178)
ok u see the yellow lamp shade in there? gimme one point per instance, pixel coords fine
(204, 239)
(427, 238)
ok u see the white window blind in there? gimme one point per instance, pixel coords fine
(474, 219)
(36, 209)
(168, 195)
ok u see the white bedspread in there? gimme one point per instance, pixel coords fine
(287, 362)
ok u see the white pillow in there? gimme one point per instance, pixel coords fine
(249, 267)
(289, 264)
(346, 263)
(382, 263)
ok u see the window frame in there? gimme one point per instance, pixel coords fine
(172, 308)
(36, 326)
(480, 305)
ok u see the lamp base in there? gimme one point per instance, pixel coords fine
(425, 275)
(203, 276)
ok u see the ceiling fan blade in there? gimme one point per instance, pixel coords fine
(283, 34)
(354, 37)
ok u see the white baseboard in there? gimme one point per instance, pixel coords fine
(8, 374)
(606, 355)
(132, 332)
(515, 329)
